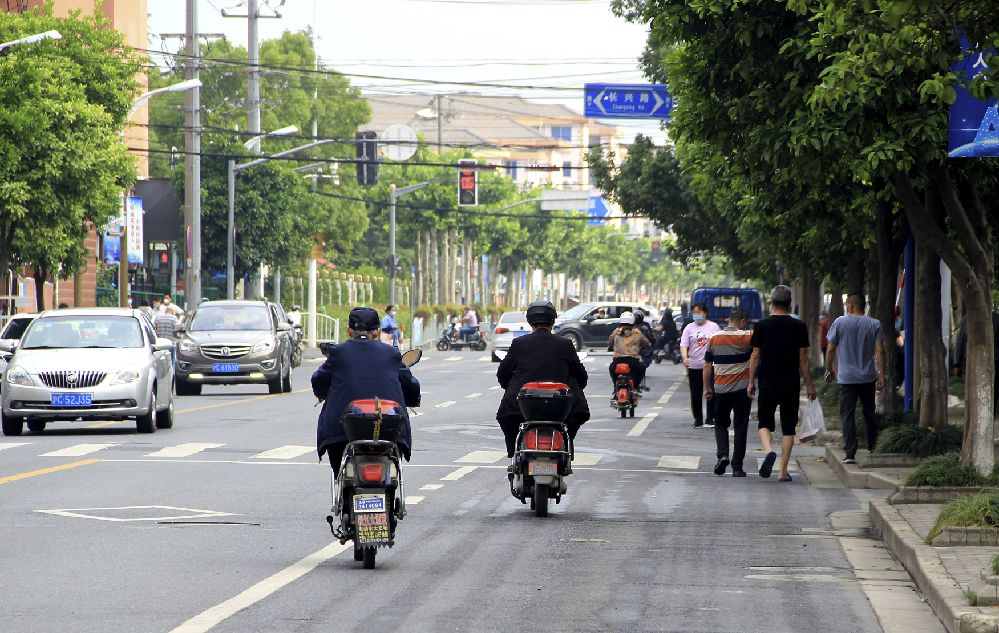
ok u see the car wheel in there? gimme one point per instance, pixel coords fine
(286, 382)
(36, 426)
(577, 342)
(164, 419)
(147, 423)
(274, 386)
(496, 358)
(11, 425)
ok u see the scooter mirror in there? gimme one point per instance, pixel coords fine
(412, 357)
(500, 354)
(583, 354)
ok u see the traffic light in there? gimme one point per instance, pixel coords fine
(468, 189)
(366, 149)
(657, 253)
(395, 265)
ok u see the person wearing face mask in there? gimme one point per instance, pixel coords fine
(693, 345)
(390, 329)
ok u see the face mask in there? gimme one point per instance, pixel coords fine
(395, 312)
(166, 302)
(698, 318)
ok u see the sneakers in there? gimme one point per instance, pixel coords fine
(849, 460)
(767, 467)
(721, 466)
(738, 472)
(709, 425)
(697, 426)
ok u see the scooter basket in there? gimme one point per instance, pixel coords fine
(545, 401)
(363, 421)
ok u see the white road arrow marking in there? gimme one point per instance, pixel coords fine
(444, 405)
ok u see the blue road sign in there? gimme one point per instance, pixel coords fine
(598, 209)
(627, 101)
(974, 124)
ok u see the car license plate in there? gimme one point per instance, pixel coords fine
(516, 334)
(369, 503)
(220, 368)
(542, 468)
(72, 399)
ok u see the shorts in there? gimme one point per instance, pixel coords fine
(788, 401)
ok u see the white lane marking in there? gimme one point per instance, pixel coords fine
(182, 450)
(445, 405)
(473, 395)
(674, 461)
(79, 513)
(79, 449)
(13, 444)
(454, 358)
(666, 396)
(586, 459)
(656, 408)
(589, 360)
(642, 424)
(486, 357)
(496, 387)
(288, 451)
(208, 619)
(412, 501)
(431, 487)
(458, 474)
(482, 457)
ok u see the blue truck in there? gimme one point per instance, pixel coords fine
(721, 300)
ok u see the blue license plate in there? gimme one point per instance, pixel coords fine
(516, 334)
(72, 399)
(225, 367)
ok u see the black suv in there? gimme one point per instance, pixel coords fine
(235, 343)
(591, 324)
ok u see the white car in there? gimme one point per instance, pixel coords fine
(88, 364)
(510, 326)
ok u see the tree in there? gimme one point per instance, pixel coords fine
(63, 166)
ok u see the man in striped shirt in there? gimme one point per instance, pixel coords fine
(728, 354)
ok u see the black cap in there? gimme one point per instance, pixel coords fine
(363, 319)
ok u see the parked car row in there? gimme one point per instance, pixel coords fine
(84, 364)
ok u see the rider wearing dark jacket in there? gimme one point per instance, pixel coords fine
(540, 357)
(358, 369)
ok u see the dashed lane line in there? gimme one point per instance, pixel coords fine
(431, 487)
(412, 500)
(685, 462)
(642, 424)
(454, 358)
(458, 474)
(208, 619)
(473, 395)
(586, 459)
(445, 405)
(79, 449)
(183, 450)
(284, 452)
(13, 445)
(482, 457)
(45, 471)
(494, 387)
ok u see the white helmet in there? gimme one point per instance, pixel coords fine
(627, 318)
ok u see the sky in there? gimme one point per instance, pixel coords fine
(545, 50)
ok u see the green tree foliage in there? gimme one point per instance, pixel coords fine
(63, 165)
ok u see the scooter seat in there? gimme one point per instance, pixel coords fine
(622, 368)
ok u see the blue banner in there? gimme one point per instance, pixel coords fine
(974, 124)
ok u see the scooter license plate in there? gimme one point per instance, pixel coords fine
(542, 468)
(369, 503)
(372, 528)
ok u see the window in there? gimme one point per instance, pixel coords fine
(567, 169)
(511, 168)
(595, 140)
(562, 133)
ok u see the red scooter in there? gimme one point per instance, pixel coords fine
(625, 394)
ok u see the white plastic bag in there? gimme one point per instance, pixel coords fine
(812, 424)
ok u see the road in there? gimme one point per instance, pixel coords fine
(219, 525)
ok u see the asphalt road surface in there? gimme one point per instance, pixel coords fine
(219, 525)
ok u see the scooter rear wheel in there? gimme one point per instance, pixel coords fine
(540, 500)
(368, 554)
(358, 552)
(624, 413)
(443, 345)
(631, 412)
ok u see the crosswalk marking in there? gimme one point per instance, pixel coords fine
(445, 405)
(13, 444)
(642, 424)
(586, 459)
(482, 457)
(486, 357)
(183, 450)
(79, 449)
(473, 395)
(679, 461)
(284, 452)
(454, 358)
(494, 387)
(589, 360)
(412, 501)
(458, 474)
(431, 487)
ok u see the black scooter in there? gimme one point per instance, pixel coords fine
(451, 339)
(544, 449)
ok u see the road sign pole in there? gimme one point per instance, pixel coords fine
(392, 244)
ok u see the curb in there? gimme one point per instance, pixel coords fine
(924, 565)
(853, 477)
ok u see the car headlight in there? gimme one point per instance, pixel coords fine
(188, 346)
(18, 376)
(126, 376)
(265, 345)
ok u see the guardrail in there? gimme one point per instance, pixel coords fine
(327, 329)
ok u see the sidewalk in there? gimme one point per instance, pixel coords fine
(943, 574)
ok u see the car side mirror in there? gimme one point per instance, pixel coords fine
(163, 344)
(589, 318)
(284, 327)
(8, 345)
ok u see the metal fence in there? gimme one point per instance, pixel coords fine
(327, 328)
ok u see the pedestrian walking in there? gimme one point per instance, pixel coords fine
(854, 341)
(390, 329)
(780, 351)
(693, 345)
(166, 324)
(728, 357)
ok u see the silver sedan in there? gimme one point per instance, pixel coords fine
(510, 326)
(88, 364)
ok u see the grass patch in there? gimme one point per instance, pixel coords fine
(946, 470)
(919, 441)
(981, 510)
(898, 417)
(971, 597)
(955, 386)
(995, 564)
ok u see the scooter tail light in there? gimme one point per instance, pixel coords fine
(531, 440)
(372, 472)
(557, 441)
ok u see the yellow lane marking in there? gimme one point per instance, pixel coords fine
(100, 424)
(46, 471)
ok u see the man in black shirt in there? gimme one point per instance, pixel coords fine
(780, 344)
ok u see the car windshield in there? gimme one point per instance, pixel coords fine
(577, 312)
(16, 328)
(513, 317)
(82, 332)
(230, 318)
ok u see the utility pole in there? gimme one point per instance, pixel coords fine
(192, 164)
(395, 194)
(253, 74)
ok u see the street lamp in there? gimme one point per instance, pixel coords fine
(395, 194)
(254, 143)
(123, 234)
(47, 35)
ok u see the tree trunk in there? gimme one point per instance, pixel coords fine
(932, 353)
(836, 308)
(40, 275)
(891, 232)
(446, 261)
(467, 292)
(435, 271)
(509, 287)
(418, 278)
(972, 268)
(810, 305)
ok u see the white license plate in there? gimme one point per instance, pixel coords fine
(72, 399)
(542, 468)
(369, 503)
(221, 368)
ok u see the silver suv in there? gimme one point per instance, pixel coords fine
(234, 343)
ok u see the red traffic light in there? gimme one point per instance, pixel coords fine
(468, 193)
